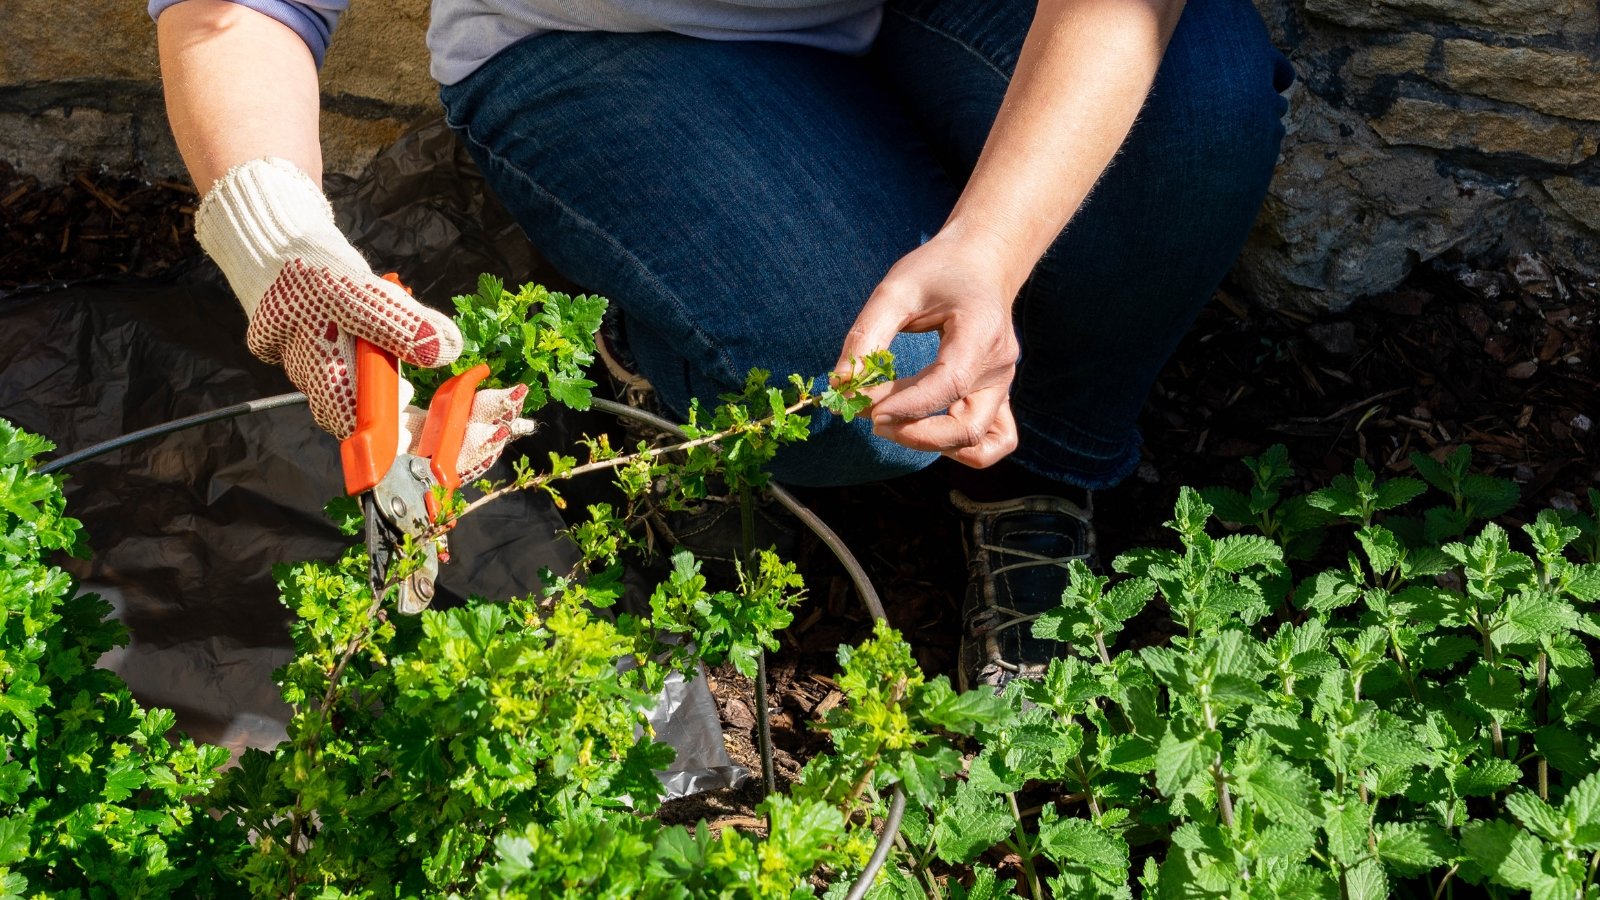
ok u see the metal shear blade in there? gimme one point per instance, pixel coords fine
(399, 505)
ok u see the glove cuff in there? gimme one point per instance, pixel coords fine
(262, 214)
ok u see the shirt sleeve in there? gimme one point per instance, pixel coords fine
(312, 20)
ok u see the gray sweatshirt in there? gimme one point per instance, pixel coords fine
(463, 34)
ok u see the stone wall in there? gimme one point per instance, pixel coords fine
(79, 83)
(1429, 128)
(1419, 128)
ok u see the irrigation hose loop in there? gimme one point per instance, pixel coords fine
(880, 853)
(869, 597)
(117, 443)
(853, 567)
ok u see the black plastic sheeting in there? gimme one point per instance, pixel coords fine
(186, 528)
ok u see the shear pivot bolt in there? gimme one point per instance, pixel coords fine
(419, 469)
(422, 586)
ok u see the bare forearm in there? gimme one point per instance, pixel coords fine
(1084, 72)
(239, 86)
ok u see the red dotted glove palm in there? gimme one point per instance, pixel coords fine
(309, 294)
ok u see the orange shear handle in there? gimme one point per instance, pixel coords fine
(370, 450)
(445, 430)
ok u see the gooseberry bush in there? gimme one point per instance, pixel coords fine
(1372, 689)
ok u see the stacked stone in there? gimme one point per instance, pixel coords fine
(1423, 128)
(79, 84)
(1419, 128)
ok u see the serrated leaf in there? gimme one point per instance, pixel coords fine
(1442, 523)
(1283, 792)
(1563, 748)
(1582, 805)
(1488, 497)
(1229, 505)
(1128, 597)
(1129, 753)
(1485, 777)
(986, 885)
(1285, 842)
(1346, 827)
(1444, 651)
(1507, 854)
(122, 778)
(14, 838)
(1382, 548)
(1411, 848)
(1398, 492)
(973, 823)
(1181, 758)
(1329, 591)
(960, 713)
(1366, 881)
(1584, 582)
(1069, 842)
(1530, 615)
(1535, 814)
(1244, 551)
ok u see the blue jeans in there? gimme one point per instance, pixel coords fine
(740, 200)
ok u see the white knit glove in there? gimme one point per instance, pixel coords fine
(308, 294)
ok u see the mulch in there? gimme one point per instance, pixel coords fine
(99, 223)
(1500, 354)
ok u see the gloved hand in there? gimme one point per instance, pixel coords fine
(308, 294)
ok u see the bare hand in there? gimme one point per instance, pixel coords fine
(960, 405)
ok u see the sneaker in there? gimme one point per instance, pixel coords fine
(1017, 556)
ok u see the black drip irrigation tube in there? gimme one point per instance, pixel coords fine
(852, 566)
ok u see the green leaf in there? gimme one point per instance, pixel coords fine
(1382, 548)
(1584, 582)
(1245, 551)
(1330, 590)
(1398, 492)
(1282, 791)
(986, 885)
(1179, 758)
(1530, 615)
(1535, 814)
(973, 823)
(122, 779)
(1229, 505)
(14, 838)
(1488, 497)
(1563, 748)
(960, 713)
(1442, 523)
(1366, 881)
(1346, 827)
(1487, 776)
(1507, 854)
(1412, 848)
(1069, 842)
(1190, 513)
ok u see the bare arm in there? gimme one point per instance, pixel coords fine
(239, 86)
(1085, 69)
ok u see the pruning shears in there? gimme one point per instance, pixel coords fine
(401, 493)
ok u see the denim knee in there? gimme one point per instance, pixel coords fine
(1221, 90)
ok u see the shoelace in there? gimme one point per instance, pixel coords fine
(1029, 560)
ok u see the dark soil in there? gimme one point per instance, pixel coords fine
(1499, 354)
